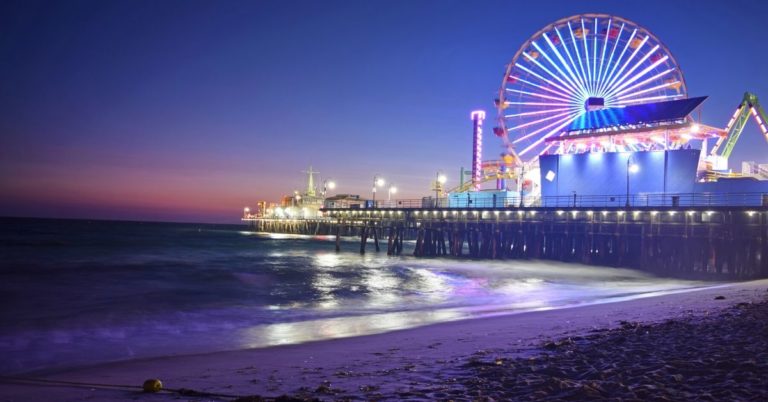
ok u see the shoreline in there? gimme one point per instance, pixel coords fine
(384, 364)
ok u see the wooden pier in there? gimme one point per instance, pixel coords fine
(713, 242)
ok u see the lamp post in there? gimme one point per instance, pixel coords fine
(328, 185)
(377, 182)
(391, 190)
(440, 179)
(631, 168)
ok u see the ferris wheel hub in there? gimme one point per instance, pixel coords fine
(594, 103)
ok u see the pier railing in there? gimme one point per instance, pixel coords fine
(586, 201)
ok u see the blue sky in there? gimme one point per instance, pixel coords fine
(188, 110)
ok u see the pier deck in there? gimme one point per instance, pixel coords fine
(703, 241)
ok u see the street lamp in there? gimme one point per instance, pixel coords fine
(328, 185)
(440, 179)
(377, 182)
(633, 168)
(392, 190)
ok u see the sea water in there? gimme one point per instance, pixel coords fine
(77, 292)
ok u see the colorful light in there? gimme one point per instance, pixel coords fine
(558, 71)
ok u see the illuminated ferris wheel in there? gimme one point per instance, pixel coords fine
(576, 65)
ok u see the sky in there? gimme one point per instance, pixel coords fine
(190, 110)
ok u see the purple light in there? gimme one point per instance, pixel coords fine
(590, 83)
(567, 118)
(477, 155)
(578, 56)
(618, 61)
(550, 90)
(575, 87)
(541, 66)
(574, 79)
(637, 76)
(535, 74)
(657, 76)
(626, 63)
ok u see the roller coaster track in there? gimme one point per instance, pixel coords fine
(749, 106)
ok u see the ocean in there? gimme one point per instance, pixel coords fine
(79, 292)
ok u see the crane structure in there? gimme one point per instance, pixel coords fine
(749, 106)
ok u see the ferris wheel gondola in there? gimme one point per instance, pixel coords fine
(576, 65)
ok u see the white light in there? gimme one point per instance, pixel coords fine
(550, 176)
(634, 168)
(393, 190)
(246, 209)
(441, 179)
(559, 212)
(695, 128)
(380, 182)
(331, 185)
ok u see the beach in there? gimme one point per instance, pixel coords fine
(571, 353)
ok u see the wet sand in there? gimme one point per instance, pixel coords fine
(707, 344)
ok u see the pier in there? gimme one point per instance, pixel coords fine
(689, 237)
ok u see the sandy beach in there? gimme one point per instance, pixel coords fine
(550, 354)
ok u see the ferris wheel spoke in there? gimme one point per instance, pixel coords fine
(575, 82)
(645, 91)
(548, 71)
(538, 103)
(586, 55)
(536, 143)
(623, 81)
(620, 94)
(538, 95)
(602, 56)
(539, 76)
(543, 88)
(581, 78)
(610, 57)
(626, 63)
(594, 53)
(568, 118)
(535, 122)
(578, 55)
(538, 112)
(639, 75)
(618, 61)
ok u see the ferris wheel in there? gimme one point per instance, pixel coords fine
(576, 65)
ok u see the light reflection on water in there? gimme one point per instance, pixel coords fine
(340, 327)
(135, 291)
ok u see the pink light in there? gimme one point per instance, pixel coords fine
(477, 117)
(569, 118)
(651, 89)
(549, 134)
(655, 77)
(537, 95)
(542, 87)
(537, 112)
(537, 75)
(531, 123)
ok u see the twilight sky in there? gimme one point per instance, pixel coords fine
(190, 110)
